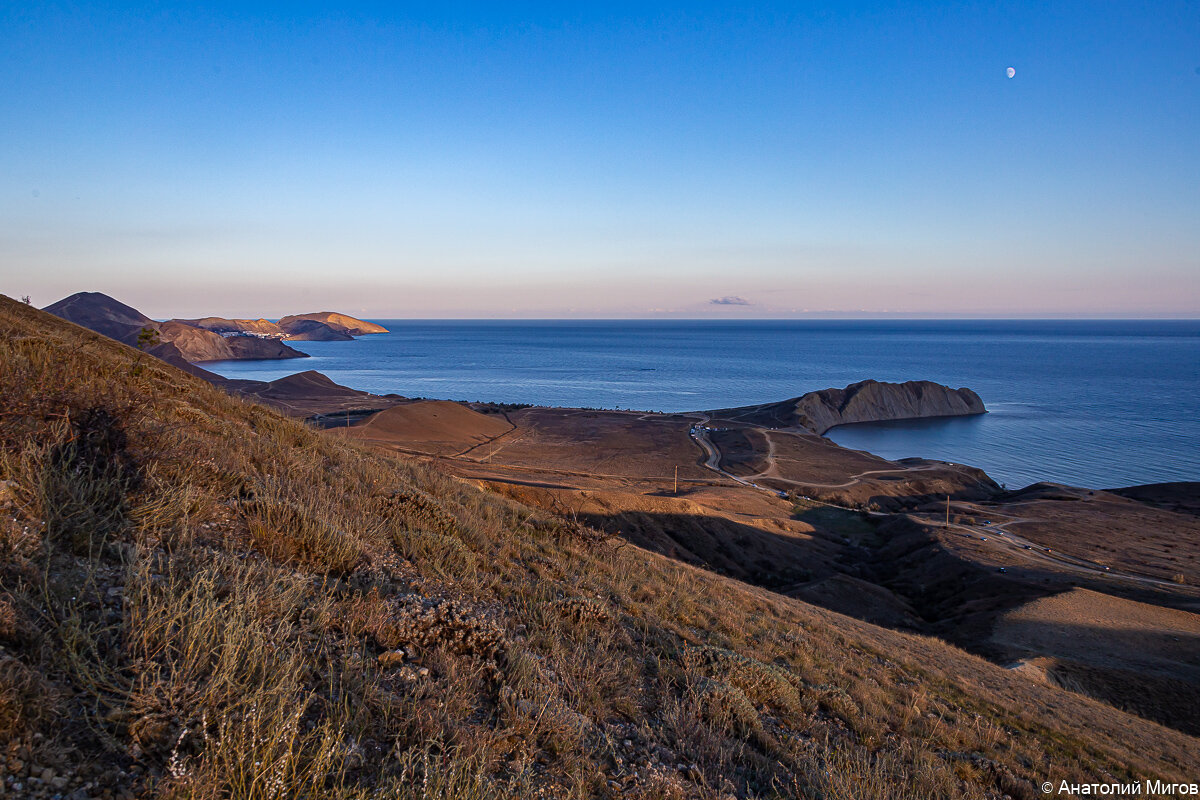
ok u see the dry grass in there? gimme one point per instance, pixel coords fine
(202, 599)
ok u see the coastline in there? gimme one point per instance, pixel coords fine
(1050, 418)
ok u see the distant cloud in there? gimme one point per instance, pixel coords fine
(731, 300)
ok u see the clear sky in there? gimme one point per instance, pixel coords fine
(604, 159)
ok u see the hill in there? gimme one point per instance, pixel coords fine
(436, 427)
(103, 314)
(194, 344)
(311, 395)
(202, 598)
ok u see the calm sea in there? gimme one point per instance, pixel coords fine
(1090, 403)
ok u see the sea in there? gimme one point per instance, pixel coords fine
(1098, 404)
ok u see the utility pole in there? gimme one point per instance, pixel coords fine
(947, 511)
(676, 479)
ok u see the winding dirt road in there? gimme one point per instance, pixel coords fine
(997, 535)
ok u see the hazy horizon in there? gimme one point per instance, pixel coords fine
(741, 314)
(629, 162)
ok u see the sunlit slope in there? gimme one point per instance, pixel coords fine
(202, 598)
(436, 427)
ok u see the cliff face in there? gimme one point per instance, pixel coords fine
(339, 322)
(872, 401)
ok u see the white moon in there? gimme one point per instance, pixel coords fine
(1010, 72)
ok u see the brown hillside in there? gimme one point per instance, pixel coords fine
(1131, 654)
(436, 427)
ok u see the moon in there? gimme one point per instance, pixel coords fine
(1010, 72)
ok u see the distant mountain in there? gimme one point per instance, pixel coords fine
(189, 342)
(262, 327)
(340, 322)
(310, 330)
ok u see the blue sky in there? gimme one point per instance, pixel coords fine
(604, 160)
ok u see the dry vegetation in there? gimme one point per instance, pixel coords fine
(202, 599)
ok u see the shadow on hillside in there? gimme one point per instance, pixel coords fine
(1150, 673)
(721, 545)
(899, 575)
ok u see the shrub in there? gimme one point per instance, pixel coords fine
(297, 532)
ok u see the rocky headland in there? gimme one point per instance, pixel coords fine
(339, 322)
(311, 330)
(865, 401)
(208, 338)
(184, 343)
(303, 328)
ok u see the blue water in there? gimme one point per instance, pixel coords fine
(1089, 403)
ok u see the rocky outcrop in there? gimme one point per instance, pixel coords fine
(867, 401)
(310, 330)
(339, 322)
(872, 401)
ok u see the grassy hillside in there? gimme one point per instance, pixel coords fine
(202, 599)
